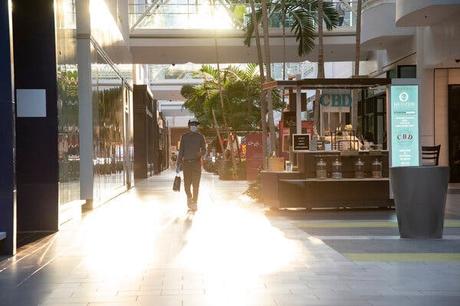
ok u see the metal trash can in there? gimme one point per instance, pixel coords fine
(420, 200)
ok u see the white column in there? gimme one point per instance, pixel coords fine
(85, 100)
(298, 110)
(425, 75)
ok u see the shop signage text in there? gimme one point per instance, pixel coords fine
(339, 100)
(300, 142)
(404, 126)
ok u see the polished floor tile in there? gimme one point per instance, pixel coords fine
(143, 248)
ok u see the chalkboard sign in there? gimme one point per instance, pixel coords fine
(300, 142)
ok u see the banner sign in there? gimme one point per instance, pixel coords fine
(300, 142)
(405, 150)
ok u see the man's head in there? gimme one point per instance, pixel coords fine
(193, 124)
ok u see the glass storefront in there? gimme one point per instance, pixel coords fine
(68, 108)
(112, 110)
(113, 146)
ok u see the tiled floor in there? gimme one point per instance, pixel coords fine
(143, 248)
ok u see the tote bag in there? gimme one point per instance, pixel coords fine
(176, 184)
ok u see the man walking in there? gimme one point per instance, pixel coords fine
(192, 149)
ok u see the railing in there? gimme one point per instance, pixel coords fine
(371, 3)
(167, 15)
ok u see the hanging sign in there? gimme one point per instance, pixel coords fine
(405, 150)
(300, 142)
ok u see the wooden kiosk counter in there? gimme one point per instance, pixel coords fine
(310, 188)
(329, 178)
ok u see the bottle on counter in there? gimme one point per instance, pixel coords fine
(337, 169)
(359, 168)
(376, 169)
(321, 169)
(288, 165)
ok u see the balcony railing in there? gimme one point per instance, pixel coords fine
(371, 3)
(194, 15)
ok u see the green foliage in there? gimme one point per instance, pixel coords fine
(241, 94)
(301, 16)
(67, 85)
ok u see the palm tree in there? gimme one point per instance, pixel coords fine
(271, 121)
(240, 91)
(263, 103)
(219, 82)
(320, 75)
(304, 16)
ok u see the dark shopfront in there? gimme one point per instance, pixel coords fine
(372, 116)
(150, 135)
(454, 133)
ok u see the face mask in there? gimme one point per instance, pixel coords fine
(193, 128)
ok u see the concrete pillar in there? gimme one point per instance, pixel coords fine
(85, 100)
(7, 177)
(425, 75)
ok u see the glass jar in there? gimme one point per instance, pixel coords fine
(321, 169)
(359, 168)
(337, 169)
(288, 165)
(313, 143)
(377, 169)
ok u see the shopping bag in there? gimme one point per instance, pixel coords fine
(176, 184)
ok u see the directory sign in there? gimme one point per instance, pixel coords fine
(405, 150)
(300, 142)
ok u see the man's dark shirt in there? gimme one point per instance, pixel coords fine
(192, 147)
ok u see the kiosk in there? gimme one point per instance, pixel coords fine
(334, 168)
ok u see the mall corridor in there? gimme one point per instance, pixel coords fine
(143, 248)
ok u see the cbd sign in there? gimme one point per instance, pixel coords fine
(335, 100)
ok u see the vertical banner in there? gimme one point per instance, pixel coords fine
(405, 149)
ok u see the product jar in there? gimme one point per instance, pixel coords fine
(377, 169)
(321, 169)
(359, 168)
(337, 169)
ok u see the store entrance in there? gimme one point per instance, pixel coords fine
(454, 133)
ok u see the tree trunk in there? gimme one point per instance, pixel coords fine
(356, 93)
(221, 98)
(271, 122)
(316, 109)
(263, 103)
(283, 20)
(216, 126)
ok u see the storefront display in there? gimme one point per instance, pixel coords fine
(340, 161)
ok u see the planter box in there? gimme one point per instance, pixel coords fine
(420, 200)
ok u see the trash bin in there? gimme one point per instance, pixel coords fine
(420, 199)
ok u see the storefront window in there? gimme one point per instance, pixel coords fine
(68, 107)
(112, 136)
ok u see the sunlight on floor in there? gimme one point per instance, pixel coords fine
(228, 240)
(231, 239)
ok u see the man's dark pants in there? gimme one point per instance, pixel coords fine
(192, 176)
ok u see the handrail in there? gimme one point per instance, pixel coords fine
(371, 3)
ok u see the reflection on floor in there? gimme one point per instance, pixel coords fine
(143, 248)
